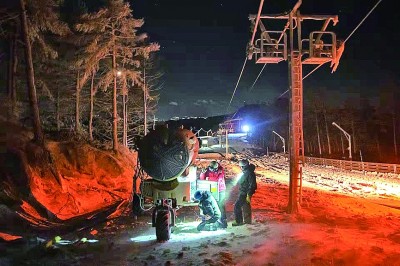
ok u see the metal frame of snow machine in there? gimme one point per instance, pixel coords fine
(167, 202)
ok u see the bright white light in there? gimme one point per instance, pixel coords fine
(119, 73)
(246, 128)
(184, 232)
(144, 238)
(237, 178)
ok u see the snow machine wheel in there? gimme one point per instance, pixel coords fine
(136, 209)
(163, 228)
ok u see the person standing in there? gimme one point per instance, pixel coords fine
(215, 172)
(247, 187)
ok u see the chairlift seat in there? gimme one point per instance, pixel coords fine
(269, 60)
(316, 60)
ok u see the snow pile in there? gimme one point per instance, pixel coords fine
(65, 180)
(86, 179)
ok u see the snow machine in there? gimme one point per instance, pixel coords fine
(167, 176)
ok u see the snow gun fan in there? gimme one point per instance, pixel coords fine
(167, 156)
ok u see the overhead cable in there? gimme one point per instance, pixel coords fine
(237, 83)
(259, 74)
(348, 37)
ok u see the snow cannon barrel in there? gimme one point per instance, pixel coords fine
(165, 154)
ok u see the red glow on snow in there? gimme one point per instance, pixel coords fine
(87, 180)
(8, 237)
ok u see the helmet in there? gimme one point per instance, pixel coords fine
(213, 165)
(244, 163)
(198, 195)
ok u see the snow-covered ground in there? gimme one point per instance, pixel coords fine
(346, 218)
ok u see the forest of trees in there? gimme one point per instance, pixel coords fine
(374, 128)
(84, 69)
(78, 67)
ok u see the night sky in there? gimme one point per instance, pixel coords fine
(203, 47)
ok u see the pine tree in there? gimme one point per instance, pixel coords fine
(37, 17)
(114, 39)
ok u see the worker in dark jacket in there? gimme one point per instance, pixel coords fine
(247, 187)
(210, 211)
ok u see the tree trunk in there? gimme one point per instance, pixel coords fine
(124, 113)
(115, 114)
(319, 140)
(58, 110)
(394, 135)
(91, 108)
(327, 134)
(353, 137)
(126, 118)
(378, 148)
(77, 104)
(336, 145)
(144, 101)
(341, 140)
(37, 126)
(10, 77)
(14, 74)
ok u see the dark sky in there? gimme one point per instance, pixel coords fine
(203, 47)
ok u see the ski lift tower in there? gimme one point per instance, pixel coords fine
(272, 47)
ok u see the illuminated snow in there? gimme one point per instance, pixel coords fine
(184, 232)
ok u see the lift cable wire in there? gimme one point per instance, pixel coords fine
(286, 27)
(348, 37)
(252, 40)
(259, 74)
(237, 83)
(362, 21)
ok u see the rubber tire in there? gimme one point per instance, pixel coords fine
(163, 228)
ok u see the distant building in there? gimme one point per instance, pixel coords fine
(248, 118)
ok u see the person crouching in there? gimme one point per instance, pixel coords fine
(211, 213)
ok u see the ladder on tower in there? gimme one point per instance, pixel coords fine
(297, 127)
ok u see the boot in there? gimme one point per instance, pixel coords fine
(224, 224)
(247, 217)
(236, 224)
(201, 226)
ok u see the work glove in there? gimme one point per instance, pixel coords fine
(207, 217)
(248, 198)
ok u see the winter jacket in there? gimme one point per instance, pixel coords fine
(248, 182)
(209, 206)
(218, 176)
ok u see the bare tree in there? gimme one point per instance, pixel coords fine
(37, 126)
(92, 93)
(327, 133)
(36, 17)
(318, 136)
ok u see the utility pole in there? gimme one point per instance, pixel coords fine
(348, 137)
(144, 99)
(317, 48)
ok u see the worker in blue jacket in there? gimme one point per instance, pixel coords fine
(211, 213)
